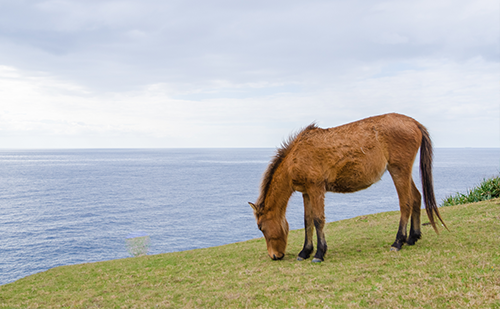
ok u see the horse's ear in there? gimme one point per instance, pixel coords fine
(253, 206)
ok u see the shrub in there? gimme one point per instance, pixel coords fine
(487, 189)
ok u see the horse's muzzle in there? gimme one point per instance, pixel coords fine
(274, 257)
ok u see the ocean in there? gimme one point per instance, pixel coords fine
(63, 207)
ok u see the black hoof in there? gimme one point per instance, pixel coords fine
(413, 238)
(305, 254)
(411, 242)
(316, 260)
(396, 246)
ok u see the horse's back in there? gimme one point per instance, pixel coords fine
(397, 136)
(353, 156)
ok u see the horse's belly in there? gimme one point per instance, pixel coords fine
(346, 187)
(354, 178)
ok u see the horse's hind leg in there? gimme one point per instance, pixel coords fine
(402, 181)
(415, 232)
(309, 228)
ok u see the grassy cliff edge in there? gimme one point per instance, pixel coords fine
(455, 269)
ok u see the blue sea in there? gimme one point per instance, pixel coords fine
(63, 207)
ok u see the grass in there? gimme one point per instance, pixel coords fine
(486, 190)
(455, 269)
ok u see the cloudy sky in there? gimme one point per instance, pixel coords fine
(197, 73)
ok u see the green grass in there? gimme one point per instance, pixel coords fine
(455, 269)
(486, 190)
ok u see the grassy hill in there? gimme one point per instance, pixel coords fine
(455, 269)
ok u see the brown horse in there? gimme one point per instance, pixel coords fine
(345, 159)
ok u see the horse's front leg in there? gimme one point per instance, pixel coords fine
(317, 196)
(309, 229)
(319, 223)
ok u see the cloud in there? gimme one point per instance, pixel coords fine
(238, 73)
(197, 42)
(446, 98)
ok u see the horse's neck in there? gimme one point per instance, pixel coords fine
(279, 193)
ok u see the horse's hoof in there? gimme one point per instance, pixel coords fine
(300, 258)
(316, 260)
(395, 249)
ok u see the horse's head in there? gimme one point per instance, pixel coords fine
(275, 230)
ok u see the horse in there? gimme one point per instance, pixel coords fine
(345, 159)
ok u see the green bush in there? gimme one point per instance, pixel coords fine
(487, 189)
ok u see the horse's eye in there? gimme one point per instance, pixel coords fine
(260, 227)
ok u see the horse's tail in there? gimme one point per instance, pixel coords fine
(426, 176)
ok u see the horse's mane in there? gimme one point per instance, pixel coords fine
(281, 153)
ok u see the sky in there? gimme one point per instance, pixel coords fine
(197, 73)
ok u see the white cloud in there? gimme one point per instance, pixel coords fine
(449, 98)
(226, 73)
